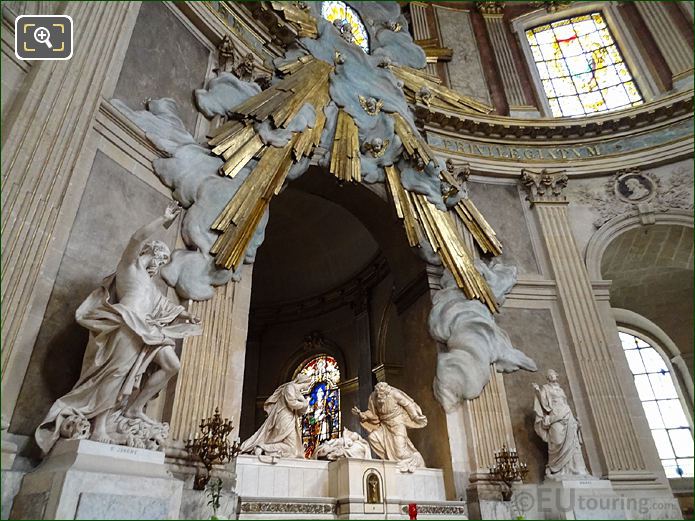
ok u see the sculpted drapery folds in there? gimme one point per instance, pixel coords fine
(557, 426)
(281, 433)
(390, 413)
(132, 327)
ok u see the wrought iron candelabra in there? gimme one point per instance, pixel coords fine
(508, 469)
(210, 445)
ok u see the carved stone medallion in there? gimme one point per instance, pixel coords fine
(632, 186)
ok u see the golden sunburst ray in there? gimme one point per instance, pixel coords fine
(424, 221)
(414, 80)
(237, 143)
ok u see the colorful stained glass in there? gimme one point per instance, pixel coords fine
(581, 68)
(332, 11)
(321, 421)
(665, 414)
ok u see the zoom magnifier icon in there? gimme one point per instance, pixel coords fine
(43, 35)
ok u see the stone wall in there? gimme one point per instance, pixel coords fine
(164, 59)
(532, 331)
(501, 204)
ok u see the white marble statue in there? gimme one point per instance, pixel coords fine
(349, 445)
(390, 413)
(557, 426)
(281, 432)
(132, 328)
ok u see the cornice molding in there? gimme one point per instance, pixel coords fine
(613, 124)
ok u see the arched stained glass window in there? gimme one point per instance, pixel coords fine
(322, 419)
(581, 68)
(662, 406)
(332, 11)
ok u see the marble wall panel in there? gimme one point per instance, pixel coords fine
(164, 60)
(465, 68)
(532, 331)
(114, 205)
(501, 206)
(419, 366)
(118, 506)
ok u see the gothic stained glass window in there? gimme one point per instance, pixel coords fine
(321, 422)
(341, 11)
(581, 67)
(662, 406)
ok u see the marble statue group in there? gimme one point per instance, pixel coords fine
(390, 413)
(130, 357)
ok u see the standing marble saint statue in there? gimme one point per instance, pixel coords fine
(390, 413)
(132, 328)
(558, 427)
(281, 432)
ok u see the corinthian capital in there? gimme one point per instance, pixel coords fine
(544, 186)
(488, 7)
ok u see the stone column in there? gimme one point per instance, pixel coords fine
(45, 133)
(421, 29)
(212, 365)
(618, 446)
(492, 14)
(360, 307)
(674, 47)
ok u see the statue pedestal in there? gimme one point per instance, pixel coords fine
(82, 479)
(342, 489)
(570, 499)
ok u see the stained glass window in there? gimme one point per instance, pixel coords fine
(581, 67)
(332, 11)
(662, 406)
(321, 422)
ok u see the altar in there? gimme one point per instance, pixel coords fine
(344, 489)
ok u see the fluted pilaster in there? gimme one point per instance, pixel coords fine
(672, 44)
(212, 365)
(421, 29)
(617, 439)
(492, 14)
(47, 129)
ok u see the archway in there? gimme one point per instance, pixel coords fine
(335, 275)
(651, 272)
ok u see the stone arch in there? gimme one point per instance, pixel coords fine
(604, 236)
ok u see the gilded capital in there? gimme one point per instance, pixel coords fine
(553, 6)
(544, 186)
(488, 7)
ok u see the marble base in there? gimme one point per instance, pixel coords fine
(82, 479)
(9, 486)
(568, 499)
(309, 489)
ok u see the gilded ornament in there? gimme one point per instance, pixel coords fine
(371, 106)
(425, 96)
(377, 146)
(345, 29)
(396, 27)
(338, 58)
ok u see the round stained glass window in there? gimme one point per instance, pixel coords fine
(332, 11)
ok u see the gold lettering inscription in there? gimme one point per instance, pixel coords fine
(516, 152)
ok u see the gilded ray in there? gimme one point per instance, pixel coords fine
(301, 19)
(480, 229)
(423, 220)
(285, 99)
(345, 155)
(237, 142)
(414, 80)
(414, 145)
